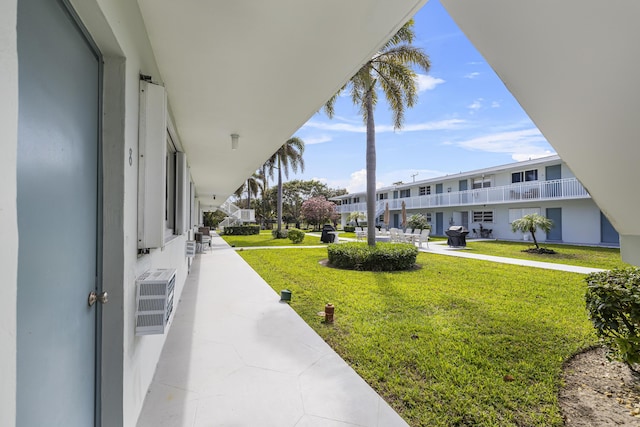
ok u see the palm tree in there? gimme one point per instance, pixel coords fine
(289, 155)
(254, 183)
(390, 69)
(531, 223)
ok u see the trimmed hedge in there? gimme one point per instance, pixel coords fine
(349, 228)
(296, 236)
(243, 230)
(381, 257)
(613, 305)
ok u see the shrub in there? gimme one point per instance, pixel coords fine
(613, 303)
(418, 221)
(349, 228)
(381, 257)
(296, 236)
(282, 234)
(242, 230)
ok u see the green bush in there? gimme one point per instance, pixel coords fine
(282, 234)
(349, 228)
(418, 221)
(296, 236)
(242, 230)
(381, 257)
(613, 303)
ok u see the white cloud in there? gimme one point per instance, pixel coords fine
(521, 144)
(319, 139)
(495, 104)
(472, 75)
(475, 105)
(348, 127)
(426, 82)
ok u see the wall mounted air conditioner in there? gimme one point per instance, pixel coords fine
(154, 301)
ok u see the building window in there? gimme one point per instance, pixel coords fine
(356, 200)
(481, 182)
(428, 216)
(383, 196)
(405, 193)
(424, 191)
(530, 175)
(482, 216)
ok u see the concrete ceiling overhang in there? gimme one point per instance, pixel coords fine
(573, 66)
(259, 69)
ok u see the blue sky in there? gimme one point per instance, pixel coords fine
(465, 119)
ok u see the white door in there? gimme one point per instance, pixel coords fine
(58, 217)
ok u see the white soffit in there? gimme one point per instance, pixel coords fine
(572, 65)
(260, 69)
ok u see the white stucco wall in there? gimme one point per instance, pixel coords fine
(8, 214)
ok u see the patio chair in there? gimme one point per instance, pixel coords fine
(475, 233)
(424, 237)
(393, 233)
(409, 231)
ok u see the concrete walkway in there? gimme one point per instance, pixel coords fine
(441, 248)
(236, 356)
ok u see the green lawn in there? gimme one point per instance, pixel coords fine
(442, 343)
(266, 239)
(607, 258)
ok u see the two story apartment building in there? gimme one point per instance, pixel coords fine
(492, 198)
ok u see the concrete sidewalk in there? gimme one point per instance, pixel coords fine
(441, 248)
(236, 356)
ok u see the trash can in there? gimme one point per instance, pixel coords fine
(326, 237)
(457, 236)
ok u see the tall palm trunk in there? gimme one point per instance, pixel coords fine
(279, 196)
(371, 171)
(264, 198)
(248, 195)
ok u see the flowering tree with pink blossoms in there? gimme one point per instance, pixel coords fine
(318, 210)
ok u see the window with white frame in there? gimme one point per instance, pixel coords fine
(515, 214)
(482, 182)
(428, 216)
(383, 196)
(482, 216)
(524, 176)
(356, 200)
(425, 190)
(405, 193)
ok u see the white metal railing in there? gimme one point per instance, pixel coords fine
(569, 188)
(235, 215)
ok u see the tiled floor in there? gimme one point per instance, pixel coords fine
(236, 356)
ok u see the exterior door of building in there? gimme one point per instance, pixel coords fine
(439, 224)
(555, 215)
(608, 234)
(463, 186)
(464, 219)
(553, 173)
(58, 203)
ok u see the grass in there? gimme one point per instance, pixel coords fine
(437, 343)
(266, 239)
(584, 256)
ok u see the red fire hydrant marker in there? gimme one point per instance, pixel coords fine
(328, 313)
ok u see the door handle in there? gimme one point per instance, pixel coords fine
(103, 297)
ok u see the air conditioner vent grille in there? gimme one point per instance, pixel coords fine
(154, 301)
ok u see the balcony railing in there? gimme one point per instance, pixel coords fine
(569, 188)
